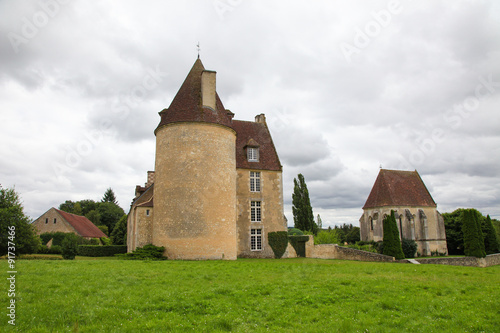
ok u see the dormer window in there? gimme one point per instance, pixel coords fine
(253, 154)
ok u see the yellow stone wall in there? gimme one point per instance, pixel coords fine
(60, 226)
(139, 225)
(191, 219)
(271, 197)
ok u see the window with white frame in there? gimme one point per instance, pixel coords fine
(147, 212)
(256, 239)
(255, 212)
(253, 154)
(254, 181)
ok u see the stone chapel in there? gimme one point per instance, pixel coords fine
(416, 215)
(217, 188)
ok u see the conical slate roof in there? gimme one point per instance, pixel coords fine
(399, 188)
(187, 103)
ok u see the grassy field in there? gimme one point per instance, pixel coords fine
(288, 295)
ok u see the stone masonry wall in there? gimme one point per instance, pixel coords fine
(271, 198)
(50, 216)
(490, 260)
(195, 191)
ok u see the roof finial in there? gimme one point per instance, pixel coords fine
(198, 48)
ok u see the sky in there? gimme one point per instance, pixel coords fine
(347, 87)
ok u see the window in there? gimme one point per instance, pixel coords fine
(256, 239)
(46, 220)
(255, 211)
(253, 154)
(254, 181)
(371, 224)
(147, 212)
(54, 220)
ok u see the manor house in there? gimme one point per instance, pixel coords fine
(217, 188)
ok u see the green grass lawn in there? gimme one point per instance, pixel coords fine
(247, 295)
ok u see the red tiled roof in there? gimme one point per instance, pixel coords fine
(258, 135)
(186, 105)
(83, 226)
(399, 188)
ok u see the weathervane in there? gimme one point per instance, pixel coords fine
(198, 48)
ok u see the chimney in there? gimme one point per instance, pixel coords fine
(208, 89)
(151, 179)
(261, 118)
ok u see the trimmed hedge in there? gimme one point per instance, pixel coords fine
(101, 250)
(298, 243)
(278, 241)
(147, 252)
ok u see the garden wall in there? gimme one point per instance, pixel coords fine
(490, 260)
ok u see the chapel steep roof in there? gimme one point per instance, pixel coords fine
(188, 104)
(399, 188)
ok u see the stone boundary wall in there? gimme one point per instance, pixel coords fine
(346, 253)
(333, 251)
(490, 260)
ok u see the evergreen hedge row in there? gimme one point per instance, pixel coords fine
(101, 250)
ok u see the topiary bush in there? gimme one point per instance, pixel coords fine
(409, 247)
(278, 241)
(147, 252)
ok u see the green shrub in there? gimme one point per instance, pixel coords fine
(70, 246)
(295, 232)
(278, 241)
(101, 250)
(327, 237)
(147, 252)
(353, 236)
(57, 237)
(409, 247)
(94, 241)
(363, 247)
(105, 241)
(55, 249)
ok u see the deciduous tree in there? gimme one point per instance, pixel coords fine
(15, 226)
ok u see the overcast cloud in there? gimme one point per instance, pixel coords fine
(347, 87)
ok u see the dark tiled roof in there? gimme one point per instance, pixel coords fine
(186, 105)
(258, 134)
(399, 188)
(146, 199)
(83, 226)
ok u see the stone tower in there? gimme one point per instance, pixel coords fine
(195, 173)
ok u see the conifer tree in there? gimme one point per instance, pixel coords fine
(473, 236)
(303, 217)
(490, 239)
(109, 196)
(392, 243)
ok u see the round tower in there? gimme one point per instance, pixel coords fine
(195, 173)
